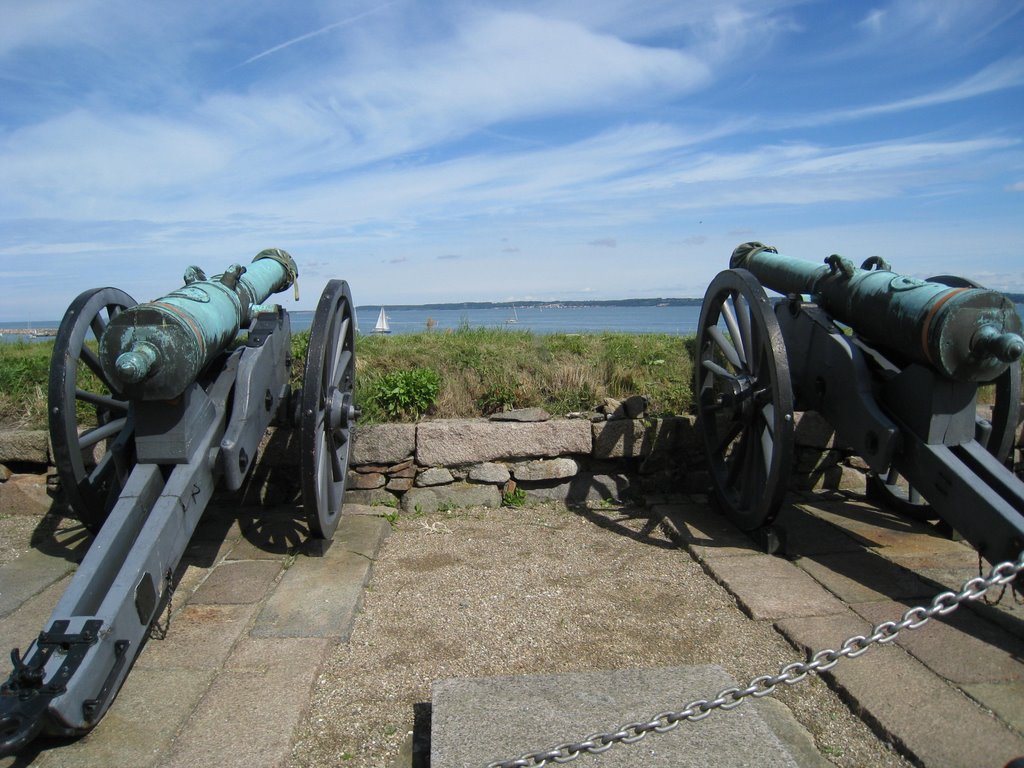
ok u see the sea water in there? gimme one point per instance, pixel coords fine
(674, 320)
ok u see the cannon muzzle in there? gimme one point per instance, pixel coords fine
(153, 351)
(964, 333)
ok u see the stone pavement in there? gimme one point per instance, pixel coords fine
(948, 694)
(253, 620)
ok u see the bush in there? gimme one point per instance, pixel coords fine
(405, 394)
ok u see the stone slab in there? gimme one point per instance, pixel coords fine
(1004, 699)
(199, 637)
(960, 647)
(768, 587)
(237, 582)
(316, 597)
(806, 534)
(864, 577)
(453, 442)
(140, 724)
(477, 720)
(704, 532)
(24, 624)
(383, 443)
(24, 445)
(252, 708)
(911, 706)
(29, 575)
(360, 534)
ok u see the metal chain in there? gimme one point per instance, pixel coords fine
(763, 685)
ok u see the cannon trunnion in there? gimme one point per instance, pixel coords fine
(894, 365)
(150, 407)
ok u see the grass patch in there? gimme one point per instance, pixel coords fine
(463, 373)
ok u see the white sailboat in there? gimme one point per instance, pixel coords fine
(515, 316)
(382, 323)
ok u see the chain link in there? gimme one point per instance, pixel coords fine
(764, 685)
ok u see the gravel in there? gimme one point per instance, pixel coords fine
(541, 590)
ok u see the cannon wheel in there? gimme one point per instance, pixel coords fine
(328, 409)
(894, 491)
(744, 399)
(84, 413)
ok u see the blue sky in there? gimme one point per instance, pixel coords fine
(451, 151)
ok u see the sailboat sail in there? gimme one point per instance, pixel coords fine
(382, 323)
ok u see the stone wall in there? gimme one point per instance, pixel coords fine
(469, 462)
(474, 462)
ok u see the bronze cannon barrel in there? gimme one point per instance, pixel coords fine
(965, 333)
(153, 351)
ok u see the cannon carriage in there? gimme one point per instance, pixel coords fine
(893, 363)
(151, 406)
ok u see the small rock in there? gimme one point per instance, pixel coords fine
(489, 472)
(399, 484)
(371, 469)
(635, 406)
(5, 474)
(401, 466)
(365, 482)
(434, 476)
(522, 414)
(409, 471)
(551, 469)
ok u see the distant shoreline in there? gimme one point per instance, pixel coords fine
(1016, 298)
(571, 303)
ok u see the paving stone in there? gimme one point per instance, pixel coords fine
(275, 548)
(368, 510)
(199, 637)
(29, 575)
(960, 647)
(362, 535)
(237, 583)
(317, 597)
(911, 705)
(806, 534)
(897, 536)
(139, 725)
(252, 708)
(476, 720)
(1004, 699)
(24, 624)
(704, 532)
(768, 587)
(864, 577)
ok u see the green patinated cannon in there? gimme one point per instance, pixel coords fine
(181, 404)
(893, 363)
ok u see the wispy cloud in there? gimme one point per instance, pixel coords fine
(317, 32)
